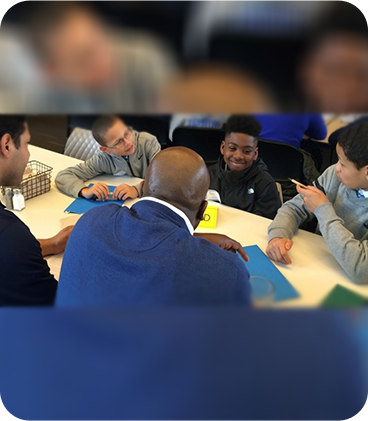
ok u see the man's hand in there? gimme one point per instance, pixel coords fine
(98, 190)
(278, 248)
(123, 191)
(312, 197)
(225, 242)
(56, 244)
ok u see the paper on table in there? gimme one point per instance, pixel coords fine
(82, 205)
(343, 297)
(260, 264)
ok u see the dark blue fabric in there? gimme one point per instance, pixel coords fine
(193, 364)
(290, 128)
(146, 255)
(25, 278)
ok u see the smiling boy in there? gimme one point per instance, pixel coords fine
(240, 176)
(339, 201)
(122, 151)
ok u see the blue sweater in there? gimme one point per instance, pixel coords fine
(146, 256)
(290, 128)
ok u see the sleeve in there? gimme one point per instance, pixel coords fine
(288, 219)
(152, 148)
(317, 128)
(351, 254)
(267, 199)
(71, 180)
(28, 280)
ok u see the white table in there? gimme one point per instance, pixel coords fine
(314, 271)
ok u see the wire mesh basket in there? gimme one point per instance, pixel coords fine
(36, 180)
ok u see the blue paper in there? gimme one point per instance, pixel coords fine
(82, 205)
(260, 264)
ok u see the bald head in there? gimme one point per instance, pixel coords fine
(179, 176)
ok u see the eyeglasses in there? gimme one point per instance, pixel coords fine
(121, 141)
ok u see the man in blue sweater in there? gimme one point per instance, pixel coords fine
(147, 255)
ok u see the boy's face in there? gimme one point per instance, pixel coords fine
(239, 151)
(348, 174)
(119, 140)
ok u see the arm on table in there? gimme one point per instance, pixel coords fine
(56, 244)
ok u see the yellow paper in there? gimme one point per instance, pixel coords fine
(210, 218)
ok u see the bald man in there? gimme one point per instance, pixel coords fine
(147, 255)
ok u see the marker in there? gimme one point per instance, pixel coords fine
(298, 183)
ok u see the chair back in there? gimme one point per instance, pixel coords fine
(81, 144)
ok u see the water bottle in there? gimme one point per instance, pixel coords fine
(18, 200)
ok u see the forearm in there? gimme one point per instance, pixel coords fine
(351, 253)
(47, 246)
(288, 219)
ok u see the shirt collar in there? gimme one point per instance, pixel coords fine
(174, 209)
(362, 193)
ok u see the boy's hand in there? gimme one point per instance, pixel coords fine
(123, 191)
(98, 190)
(277, 249)
(56, 244)
(225, 242)
(312, 197)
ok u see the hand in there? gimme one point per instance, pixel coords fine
(312, 197)
(278, 248)
(98, 190)
(123, 191)
(225, 242)
(56, 244)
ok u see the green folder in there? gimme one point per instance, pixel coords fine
(343, 297)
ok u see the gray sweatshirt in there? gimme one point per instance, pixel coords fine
(71, 180)
(343, 223)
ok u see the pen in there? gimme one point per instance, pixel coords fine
(297, 182)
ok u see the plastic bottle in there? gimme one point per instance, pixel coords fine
(18, 200)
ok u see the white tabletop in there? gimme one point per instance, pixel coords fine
(314, 271)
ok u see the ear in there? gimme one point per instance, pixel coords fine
(5, 145)
(222, 147)
(202, 210)
(103, 149)
(255, 154)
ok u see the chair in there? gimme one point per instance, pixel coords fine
(283, 161)
(279, 189)
(81, 144)
(205, 141)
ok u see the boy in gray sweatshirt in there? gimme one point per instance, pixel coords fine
(339, 201)
(122, 151)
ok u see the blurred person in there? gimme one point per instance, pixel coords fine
(88, 66)
(339, 201)
(215, 89)
(147, 254)
(25, 277)
(240, 177)
(122, 151)
(255, 18)
(333, 74)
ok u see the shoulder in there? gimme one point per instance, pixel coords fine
(145, 137)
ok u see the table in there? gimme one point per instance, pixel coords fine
(314, 271)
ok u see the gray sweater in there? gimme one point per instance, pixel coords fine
(71, 180)
(343, 223)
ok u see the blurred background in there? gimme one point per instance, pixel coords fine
(183, 56)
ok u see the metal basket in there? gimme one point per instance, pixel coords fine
(38, 182)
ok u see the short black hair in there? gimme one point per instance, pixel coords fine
(242, 123)
(102, 125)
(14, 125)
(354, 143)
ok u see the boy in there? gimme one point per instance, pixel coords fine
(124, 151)
(240, 177)
(339, 200)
